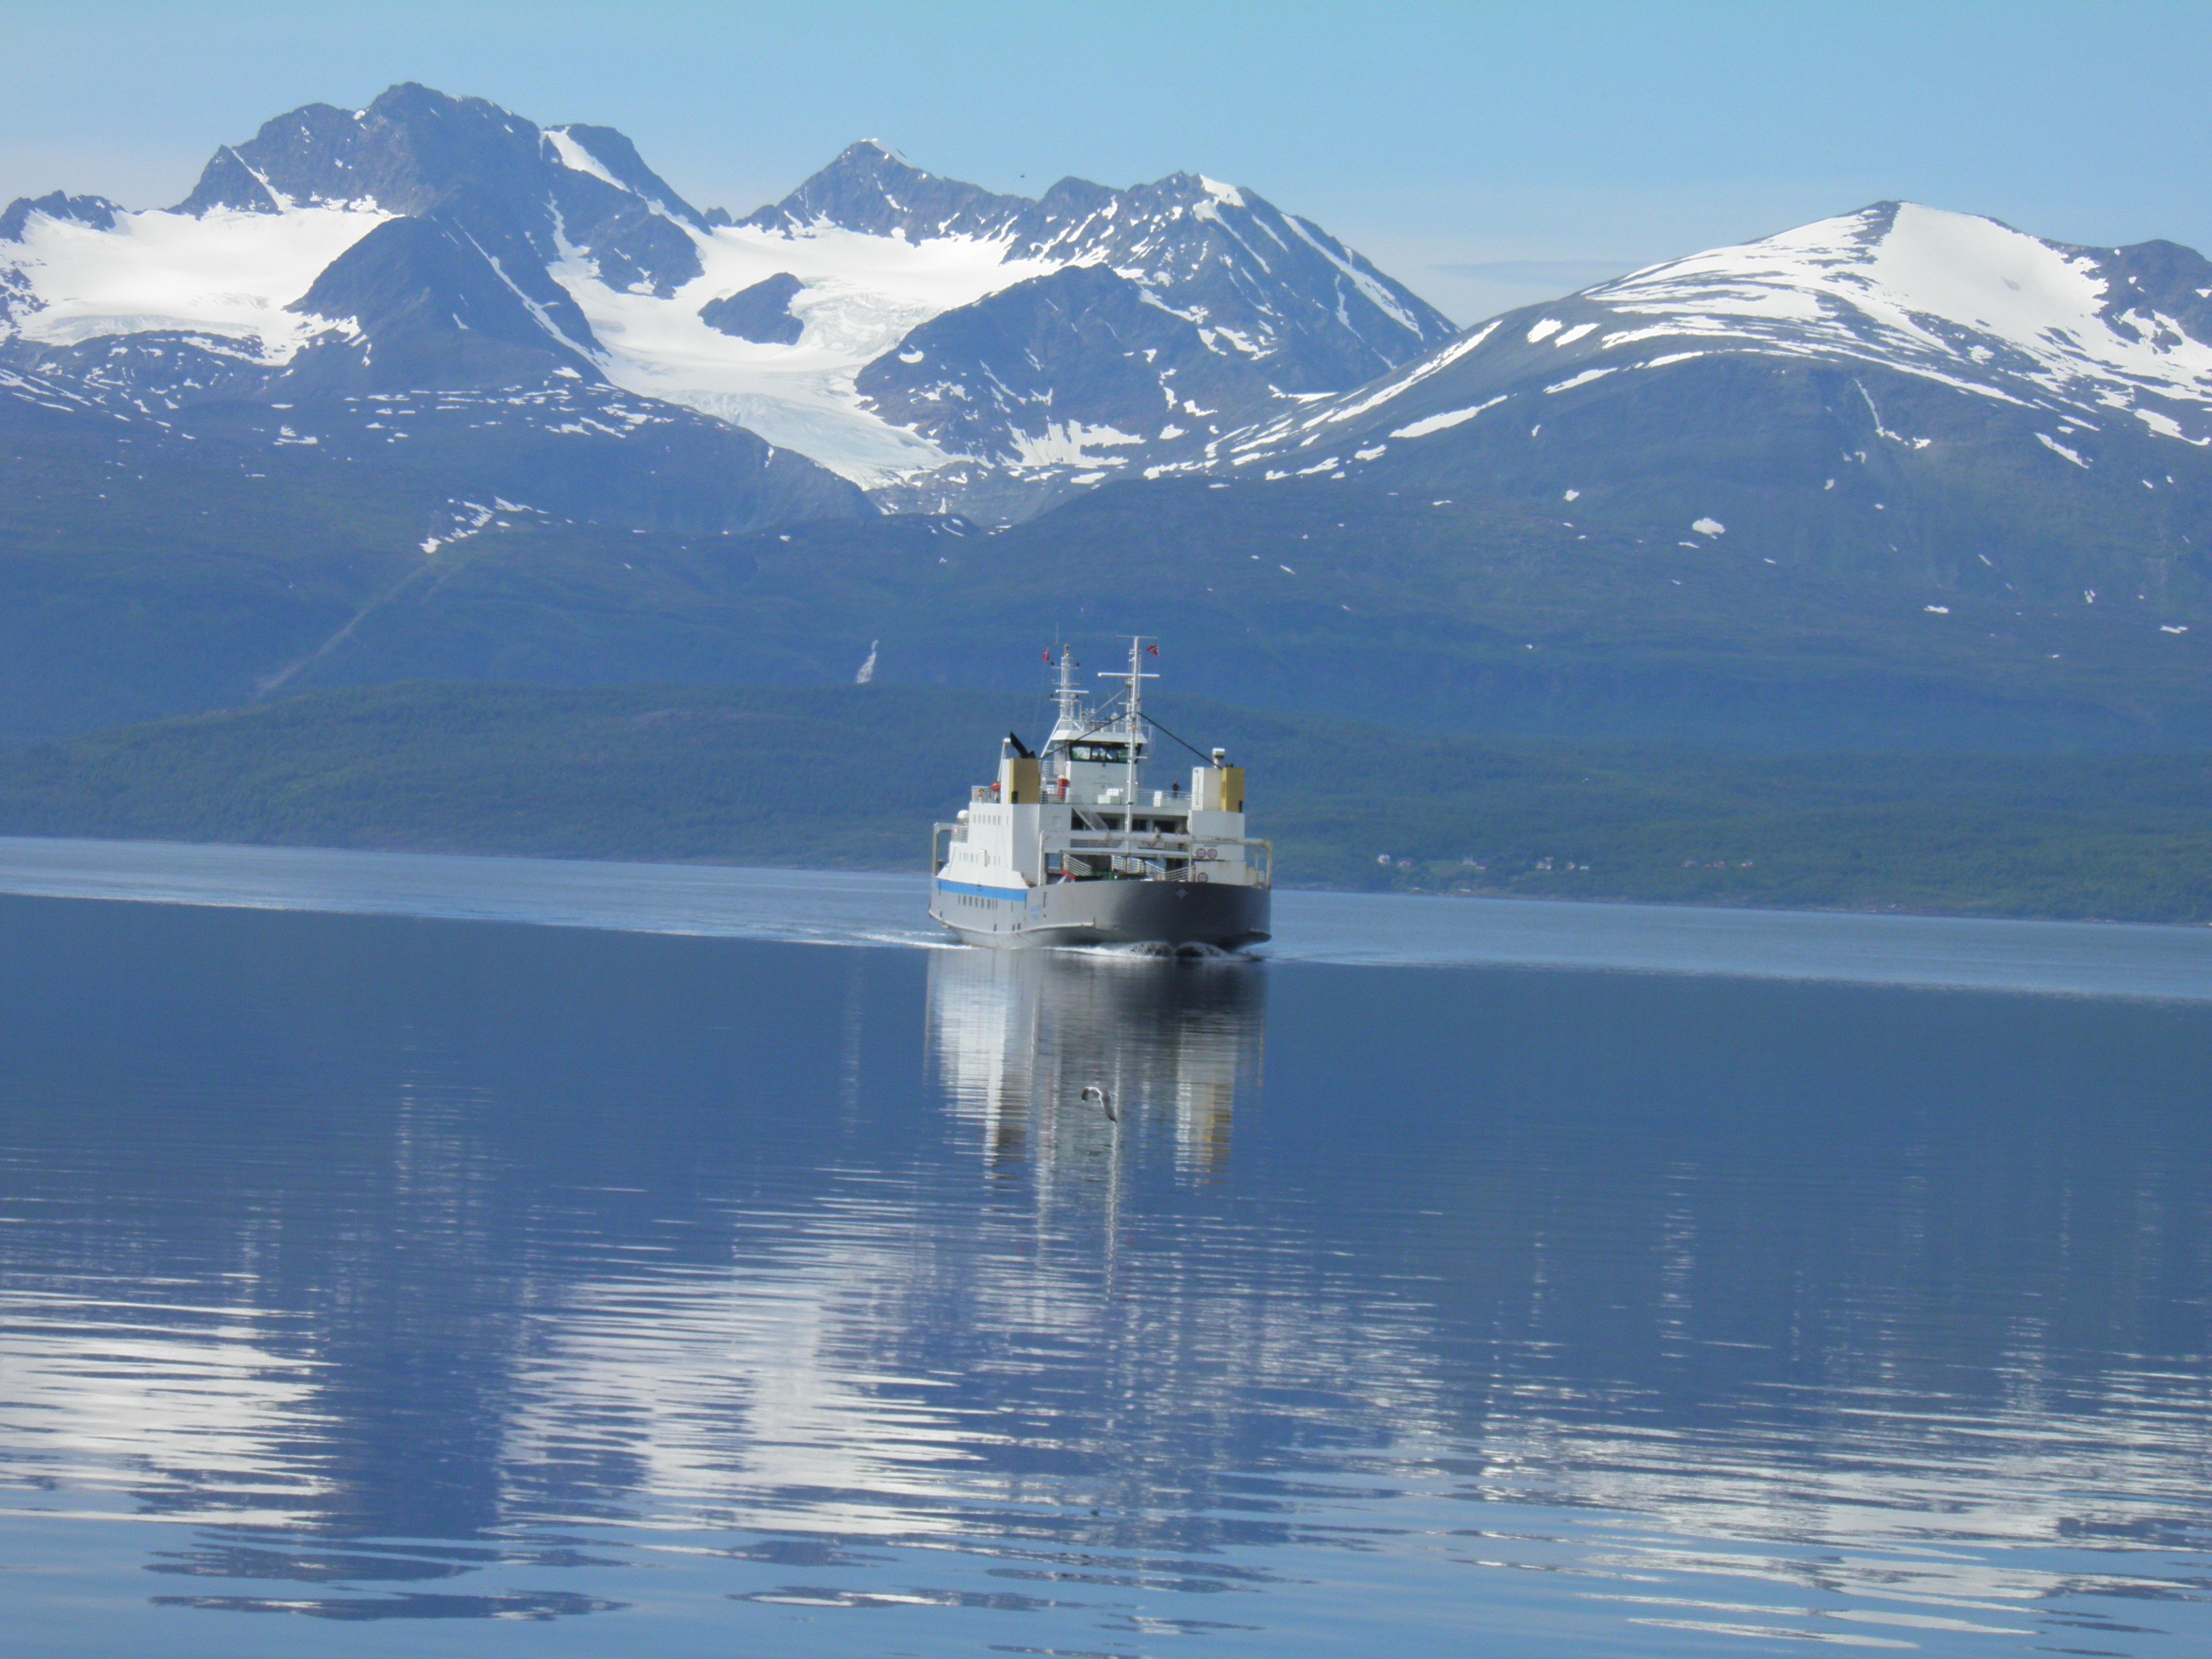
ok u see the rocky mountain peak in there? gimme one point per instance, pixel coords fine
(519, 194)
(96, 212)
(1075, 198)
(405, 152)
(1131, 327)
(429, 240)
(871, 189)
(433, 311)
(1951, 295)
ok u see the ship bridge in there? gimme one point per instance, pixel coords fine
(1082, 811)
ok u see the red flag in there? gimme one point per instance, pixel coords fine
(1152, 650)
(1048, 656)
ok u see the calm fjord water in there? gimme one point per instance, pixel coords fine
(372, 1283)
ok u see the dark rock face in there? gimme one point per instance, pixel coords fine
(493, 175)
(871, 190)
(632, 230)
(618, 157)
(406, 153)
(96, 212)
(1260, 282)
(2164, 278)
(761, 312)
(1082, 348)
(229, 182)
(432, 309)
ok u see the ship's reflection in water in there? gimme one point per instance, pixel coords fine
(1163, 1046)
(712, 1296)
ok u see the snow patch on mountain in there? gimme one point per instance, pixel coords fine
(527, 252)
(1070, 444)
(1444, 421)
(2058, 448)
(1950, 296)
(860, 296)
(574, 157)
(223, 273)
(1261, 439)
(1964, 302)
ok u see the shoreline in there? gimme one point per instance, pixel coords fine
(787, 904)
(1495, 896)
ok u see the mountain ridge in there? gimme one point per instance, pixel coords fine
(597, 249)
(1899, 389)
(1880, 479)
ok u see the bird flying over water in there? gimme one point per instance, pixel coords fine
(1095, 1095)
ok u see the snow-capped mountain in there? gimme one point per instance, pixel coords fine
(1136, 324)
(380, 284)
(1900, 378)
(902, 329)
(429, 357)
(942, 344)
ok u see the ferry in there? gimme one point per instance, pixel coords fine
(1068, 846)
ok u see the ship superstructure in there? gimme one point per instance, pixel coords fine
(1070, 846)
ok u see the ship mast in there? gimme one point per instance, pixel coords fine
(1132, 716)
(1070, 697)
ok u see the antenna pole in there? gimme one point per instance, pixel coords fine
(1071, 700)
(1133, 709)
(1136, 707)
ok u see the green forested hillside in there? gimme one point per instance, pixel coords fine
(140, 579)
(853, 775)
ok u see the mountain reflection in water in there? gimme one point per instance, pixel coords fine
(708, 1296)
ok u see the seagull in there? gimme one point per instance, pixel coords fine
(1095, 1095)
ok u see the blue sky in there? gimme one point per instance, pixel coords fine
(1487, 155)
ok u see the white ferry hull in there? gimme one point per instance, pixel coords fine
(1073, 912)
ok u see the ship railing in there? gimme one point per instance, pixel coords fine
(1179, 807)
(1152, 855)
(1150, 840)
(1171, 858)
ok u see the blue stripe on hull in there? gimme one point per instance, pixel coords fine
(1009, 895)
